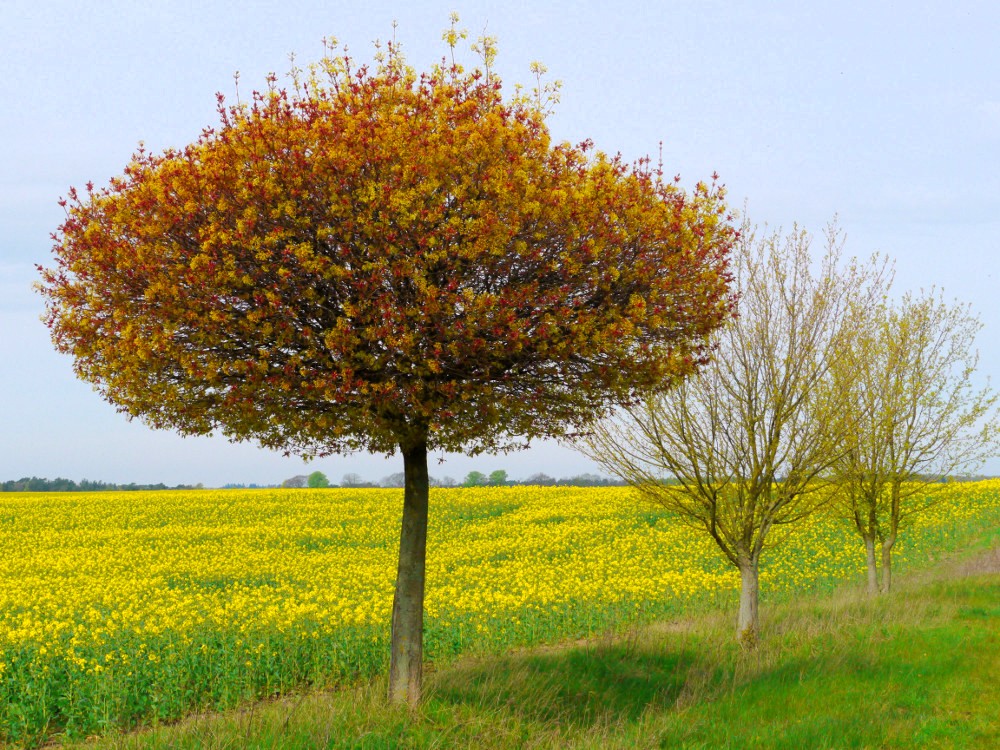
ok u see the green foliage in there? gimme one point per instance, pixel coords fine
(474, 479)
(317, 480)
(498, 478)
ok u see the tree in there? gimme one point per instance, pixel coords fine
(742, 446)
(474, 479)
(298, 481)
(394, 480)
(317, 480)
(372, 259)
(912, 417)
(352, 480)
(497, 478)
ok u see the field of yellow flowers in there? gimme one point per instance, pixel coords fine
(125, 607)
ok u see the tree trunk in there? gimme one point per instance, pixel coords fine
(406, 660)
(872, 565)
(887, 563)
(748, 622)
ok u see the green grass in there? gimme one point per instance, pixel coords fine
(918, 668)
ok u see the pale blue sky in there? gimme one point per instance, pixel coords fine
(885, 113)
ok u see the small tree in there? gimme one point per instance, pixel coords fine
(912, 417)
(498, 478)
(352, 480)
(381, 260)
(474, 479)
(397, 480)
(317, 480)
(742, 446)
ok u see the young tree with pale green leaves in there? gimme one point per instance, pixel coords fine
(743, 446)
(912, 415)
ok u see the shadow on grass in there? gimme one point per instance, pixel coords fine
(581, 686)
(917, 662)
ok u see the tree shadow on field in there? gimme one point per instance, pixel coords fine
(584, 686)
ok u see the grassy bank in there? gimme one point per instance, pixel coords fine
(914, 669)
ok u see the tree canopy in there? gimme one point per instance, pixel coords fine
(377, 255)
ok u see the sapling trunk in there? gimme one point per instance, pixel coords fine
(887, 545)
(872, 565)
(748, 622)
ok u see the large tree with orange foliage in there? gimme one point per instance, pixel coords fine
(375, 259)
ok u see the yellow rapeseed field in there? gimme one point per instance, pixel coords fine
(116, 607)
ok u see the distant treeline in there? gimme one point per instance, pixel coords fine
(36, 484)
(580, 480)
(497, 478)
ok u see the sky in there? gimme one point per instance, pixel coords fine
(885, 115)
